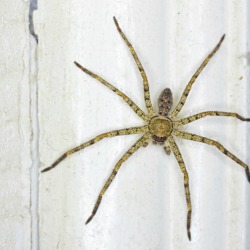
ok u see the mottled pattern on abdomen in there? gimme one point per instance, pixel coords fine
(165, 102)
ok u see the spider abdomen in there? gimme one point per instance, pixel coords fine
(165, 102)
(160, 128)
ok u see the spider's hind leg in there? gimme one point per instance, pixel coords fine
(195, 117)
(248, 174)
(185, 93)
(140, 67)
(132, 105)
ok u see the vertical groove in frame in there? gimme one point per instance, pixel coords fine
(34, 174)
(34, 125)
(247, 102)
(237, 194)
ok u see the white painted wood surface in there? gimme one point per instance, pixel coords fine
(15, 134)
(145, 206)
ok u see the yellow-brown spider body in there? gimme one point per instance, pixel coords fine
(161, 128)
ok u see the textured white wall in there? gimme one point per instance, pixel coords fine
(145, 206)
(15, 134)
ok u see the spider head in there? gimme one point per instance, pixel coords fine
(165, 102)
(160, 128)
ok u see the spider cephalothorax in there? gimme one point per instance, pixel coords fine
(160, 128)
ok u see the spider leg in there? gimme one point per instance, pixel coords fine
(179, 159)
(190, 83)
(193, 137)
(141, 142)
(208, 113)
(141, 69)
(128, 131)
(132, 105)
(167, 147)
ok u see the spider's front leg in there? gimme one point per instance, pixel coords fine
(179, 159)
(198, 138)
(128, 131)
(142, 142)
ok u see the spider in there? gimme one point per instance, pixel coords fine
(160, 128)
